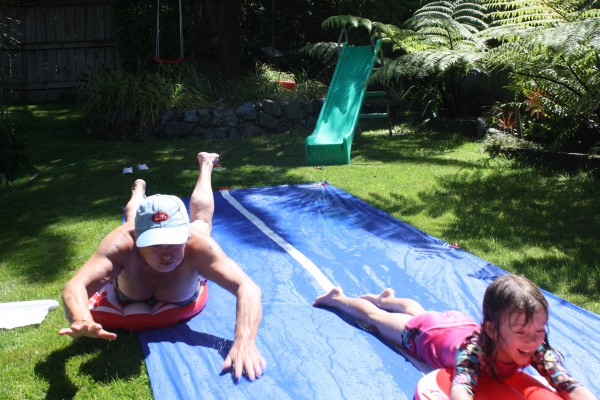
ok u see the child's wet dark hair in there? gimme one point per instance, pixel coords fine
(506, 295)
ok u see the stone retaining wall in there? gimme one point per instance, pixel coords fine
(249, 119)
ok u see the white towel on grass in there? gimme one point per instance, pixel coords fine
(23, 313)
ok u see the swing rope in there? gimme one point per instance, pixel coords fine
(157, 57)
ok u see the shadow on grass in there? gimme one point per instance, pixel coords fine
(408, 148)
(552, 222)
(80, 181)
(110, 361)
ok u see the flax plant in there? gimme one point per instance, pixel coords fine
(127, 106)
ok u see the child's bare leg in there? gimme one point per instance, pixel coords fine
(138, 193)
(388, 301)
(202, 202)
(388, 325)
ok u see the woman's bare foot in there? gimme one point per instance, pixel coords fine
(138, 194)
(379, 299)
(330, 298)
(207, 159)
(139, 188)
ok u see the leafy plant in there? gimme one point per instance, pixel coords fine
(549, 48)
(123, 105)
(512, 18)
(263, 84)
(560, 61)
(534, 103)
(551, 51)
(440, 46)
(498, 142)
(507, 122)
(432, 51)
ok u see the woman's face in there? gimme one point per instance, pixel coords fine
(163, 258)
(518, 340)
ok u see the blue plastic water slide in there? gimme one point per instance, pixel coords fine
(331, 141)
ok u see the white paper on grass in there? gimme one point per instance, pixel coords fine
(23, 313)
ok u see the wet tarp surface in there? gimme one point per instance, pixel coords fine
(296, 242)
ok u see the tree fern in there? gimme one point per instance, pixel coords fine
(470, 14)
(549, 46)
(427, 64)
(561, 64)
(512, 18)
(440, 50)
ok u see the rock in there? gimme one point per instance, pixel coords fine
(271, 107)
(246, 111)
(293, 111)
(267, 121)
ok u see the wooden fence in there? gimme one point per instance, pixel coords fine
(47, 46)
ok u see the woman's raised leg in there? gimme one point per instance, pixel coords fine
(202, 201)
(138, 193)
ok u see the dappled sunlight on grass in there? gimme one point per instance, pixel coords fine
(513, 207)
(380, 147)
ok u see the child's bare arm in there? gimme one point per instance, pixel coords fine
(459, 392)
(578, 393)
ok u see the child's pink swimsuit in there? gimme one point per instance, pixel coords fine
(434, 336)
(451, 340)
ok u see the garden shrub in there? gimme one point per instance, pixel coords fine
(124, 105)
(497, 142)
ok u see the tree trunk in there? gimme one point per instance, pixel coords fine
(217, 43)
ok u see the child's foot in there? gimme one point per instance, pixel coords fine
(330, 298)
(378, 299)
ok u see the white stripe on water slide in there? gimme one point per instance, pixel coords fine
(308, 265)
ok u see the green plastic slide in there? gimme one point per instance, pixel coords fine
(331, 140)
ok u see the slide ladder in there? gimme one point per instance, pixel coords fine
(331, 140)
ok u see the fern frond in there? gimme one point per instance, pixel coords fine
(347, 21)
(570, 42)
(325, 51)
(504, 33)
(449, 25)
(386, 30)
(472, 15)
(473, 23)
(410, 41)
(529, 16)
(406, 40)
(519, 14)
(424, 64)
(584, 14)
(435, 7)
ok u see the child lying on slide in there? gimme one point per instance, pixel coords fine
(512, 335)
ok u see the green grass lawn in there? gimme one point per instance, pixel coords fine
(526, 220)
